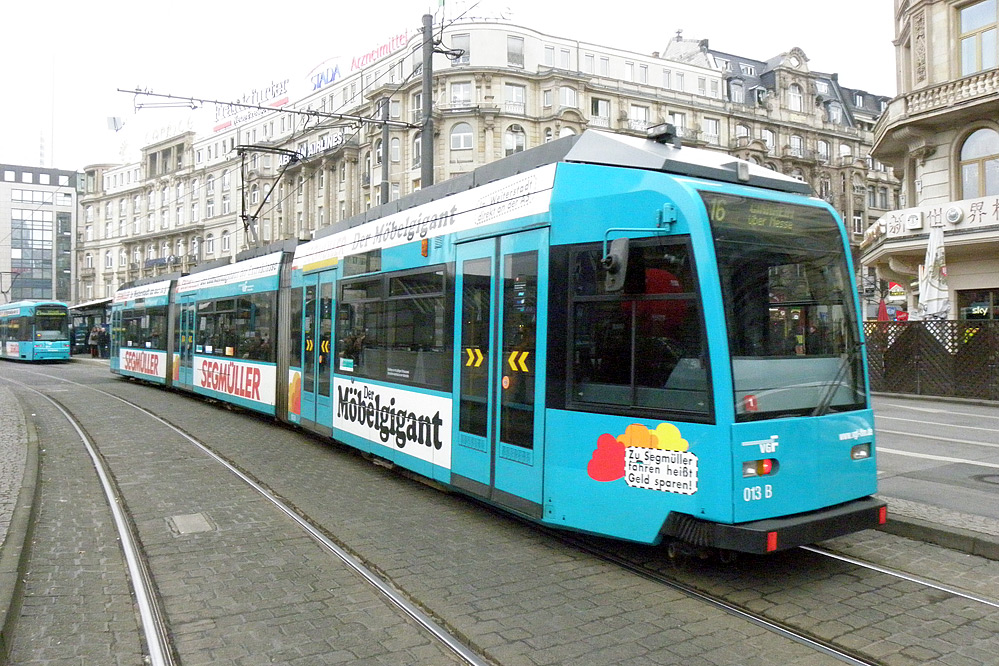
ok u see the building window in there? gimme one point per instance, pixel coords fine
(712, 129)
(395, 149)
(795, 98)
(461, 137)
(638, 117)
(604, 66)
(461, 93)
(737, 92)
(600, 112)
(225, 204)
(823, 150)
(417, 150)
(460, 43)
(979, 304)
(567, 97)
(515, 97)
(797, 146)
(514, 51)
(255, 194)
(226, 241)
(515, 140)
(979, 46)
(835, 113)
(209, 187)
(858, 223)
(666, 78)
(563, 58)
(549, 56)
(629, 71)
(980, 164)
(742, 131)
(588, 63)
(769, 138)
(209, 244)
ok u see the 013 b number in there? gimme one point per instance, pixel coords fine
(757, 492)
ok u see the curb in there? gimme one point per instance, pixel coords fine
(955, 538)
(17, 546)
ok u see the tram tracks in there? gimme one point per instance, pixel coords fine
(154, 625)
(762, 580)
(700, 578)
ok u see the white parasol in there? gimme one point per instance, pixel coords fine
(934, 298)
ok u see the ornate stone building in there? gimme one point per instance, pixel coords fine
(941, 134)
(197, 197)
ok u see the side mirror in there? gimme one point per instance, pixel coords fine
(616, 264)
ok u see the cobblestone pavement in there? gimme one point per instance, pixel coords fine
(515, 594)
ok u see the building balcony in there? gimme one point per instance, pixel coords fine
(911, 119)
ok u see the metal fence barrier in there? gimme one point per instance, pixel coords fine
(940, 358)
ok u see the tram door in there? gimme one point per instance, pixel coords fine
(317, 361)
(184, 342)
(500, 375)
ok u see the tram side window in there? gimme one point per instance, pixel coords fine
(642, 348)
(241, 327)
(145, 328)
(22, 329)
(397, 328)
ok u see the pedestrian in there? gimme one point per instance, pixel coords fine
(93, 340)
(103, 341)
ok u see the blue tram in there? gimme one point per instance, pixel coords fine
(606, 334)
(34, 331)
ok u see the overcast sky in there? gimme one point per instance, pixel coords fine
(66, 60)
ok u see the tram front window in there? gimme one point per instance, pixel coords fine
(51, 326)
(789, 307)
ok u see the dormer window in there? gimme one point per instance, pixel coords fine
(858, 99)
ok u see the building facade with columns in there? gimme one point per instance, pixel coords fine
(297, 156)
(941, 135)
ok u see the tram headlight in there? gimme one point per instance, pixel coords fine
(765, 467)
(861, 451)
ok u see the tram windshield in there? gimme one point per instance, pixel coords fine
(789, 307)
(51, 324)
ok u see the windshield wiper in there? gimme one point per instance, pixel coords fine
(849, 358)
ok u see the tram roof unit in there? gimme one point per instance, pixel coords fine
(596, 147)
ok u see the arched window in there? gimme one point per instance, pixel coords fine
(150, 251)
(378, 151)
(395, 150)
(88, 260)
(417, 150)
(209, 244)
(515, 140)
(741, 131)
(210, 184)
(255, 194)
(226, 180)
(980, 164)
(797, 146)
(122, 257)
(823, 150)
(226, 241)
(461, 137)
(794, 98)
(566, 131)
